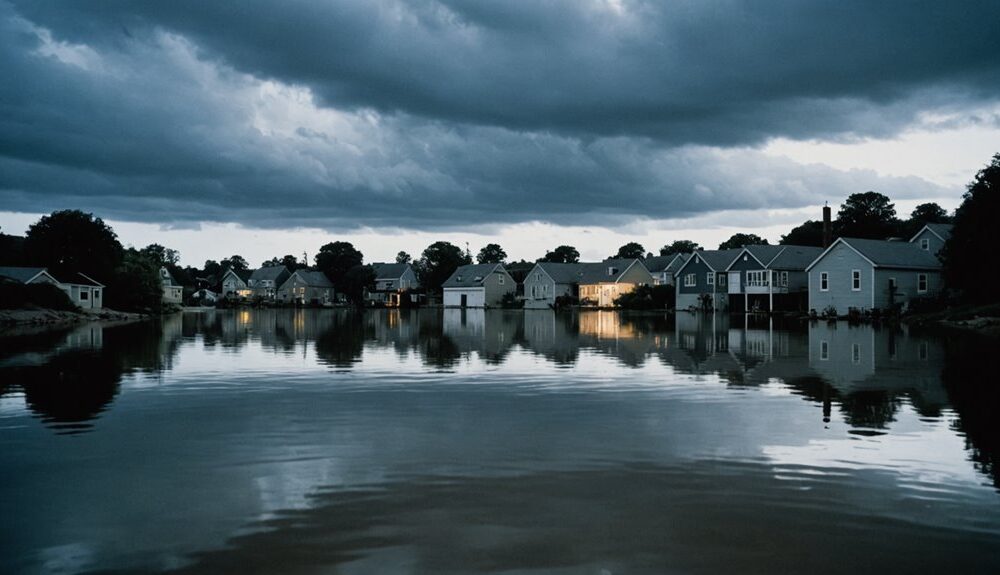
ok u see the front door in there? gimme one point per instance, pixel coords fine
(465, 300)
(734, 282)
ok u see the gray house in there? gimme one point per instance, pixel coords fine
(306, 287)
(704, 274)
(478, 285)
(173, 292)
(770, 278)
(932, 237)
(234, 284)
(547, 281)
(264, 282)
(663, 268)
(391, 280)
(871, 274)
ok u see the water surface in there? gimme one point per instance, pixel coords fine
(496, 442)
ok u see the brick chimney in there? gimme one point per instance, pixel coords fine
(827, 227)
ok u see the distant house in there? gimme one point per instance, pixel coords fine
(234, 284)
(770, 278)
(264, 282)
(602, 283)
(306, 287)
(391, 280)
(703, 277)
(478, 285)
(871, 274)
(663, 268)
(173, 292)
(932, 237)
(28, 276)
(84, 291)
(546, 281)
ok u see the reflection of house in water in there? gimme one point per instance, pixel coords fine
(552, 335)
(491, 333)
(630, 339)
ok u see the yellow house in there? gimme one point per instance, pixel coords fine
(602, 283)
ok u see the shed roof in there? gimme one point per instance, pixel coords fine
(471, 275)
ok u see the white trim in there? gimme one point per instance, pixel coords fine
(927, 228)
(710, 279)
(824, 277)
(693, 277)
(927, 283)
(827, 250)
(858, 275)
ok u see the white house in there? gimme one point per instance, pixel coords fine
(173, 292)
(478, 285)
(84, 291)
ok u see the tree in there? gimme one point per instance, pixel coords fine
(212, 268)
(11, 250)
(403, 258)
(439, 261)
(72, 241)
(975, 232)
(929, 213)
(809, 233)
(136, 285)
(491, 254)
(867, 215)
(740, 240)
(355, 282)
(235, 263)
(631, 251)
(335, 258)
(292, 263)
(160, 255)
(679, 247)
(270, 263)
(562, 255)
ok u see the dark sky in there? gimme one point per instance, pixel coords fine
(427, 114)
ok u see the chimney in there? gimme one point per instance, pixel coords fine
(827, 227)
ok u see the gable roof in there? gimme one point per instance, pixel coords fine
(167, 278)
(717, 260)
(884, 254)
(386, 271)
(657, 264)
(678, 262)
(795, 258)
(79, 279)
(466, 276)
(942, 231)
(243, 275)
(594, 273)
(23, 275)
(311, 279)
(562, 273)
(268, 273)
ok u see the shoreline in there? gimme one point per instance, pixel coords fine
(17, 318)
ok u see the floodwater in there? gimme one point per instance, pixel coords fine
(281, 441)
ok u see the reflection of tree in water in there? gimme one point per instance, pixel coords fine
(342, 343)
(72, 389)
(438, 350)
(970, 376)
(870, 408)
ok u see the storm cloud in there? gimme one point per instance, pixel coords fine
(430, 114)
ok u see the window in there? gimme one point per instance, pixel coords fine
(722, 279)
(855, 280)
(824, 281)
(824, 350)
(538, 276)
(921, 283)
(710, 278)
(756, 278)
(784, 279)
(84, 295)
(458, 279)
(690, 280)
(501, 280)
(925, 244)
(97, 294)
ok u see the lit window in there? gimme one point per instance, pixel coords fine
(855, 280)
(824, 281)
(921, 283)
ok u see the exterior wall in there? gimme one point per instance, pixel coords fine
(838, 263)
(906, 286)
(232, 285)
(742, 267)
(295, 289)
(43, 279)
(541, 291)
(605, 294)
(408, 280)
(476, 297)
(84, 296)
(934, 243)
(687, 296)
(497, 285)
(173, 294)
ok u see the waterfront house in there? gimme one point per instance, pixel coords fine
(932, 237)
(264, 282)
(663, 268)
(871, 274)
(770, 278)
(84, 291)
(28, 276)
(602, 283)
(173, 292)
(306, 287)
(478, 285)
(701, 280)
(391, 281)
(547, 281)
(234, 284)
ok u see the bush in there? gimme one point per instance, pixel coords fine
(18, 296)
(648, 297)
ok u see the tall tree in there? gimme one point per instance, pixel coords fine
(160, 255)
(270, 263)
(809, 233)
(439, 261)
(403, 258)
(491, 254)
(236, 263)
(355, 282)
(740, 240)
(975, 233)
(867, 215)
(335, 258)
(71, 241)
(212, 268)
(631, 250)
(292, 263)
(562, 255)
(135, 285)
(679, 247)
(929, 213)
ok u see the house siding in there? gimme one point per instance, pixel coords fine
(838, 263)
(934, 243)
(541, 291)
(906, 282)
(488, 294)
(688, 296)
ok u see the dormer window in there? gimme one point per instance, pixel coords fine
(744, 257)
(612, 271)
(458, 279)
(925, 244)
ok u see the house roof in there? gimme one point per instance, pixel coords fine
(795, 258)
(678, 262)
(657, 264)
(268, 273)
(385, 271)
(23, 275)
(942, 231)
(167, 278)
(311, 279)
(563, 273)
(763, 253)
(471, 275)
(718, 260)
(244, 275)
(594, 273)
(886, 254)
(79, 279)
